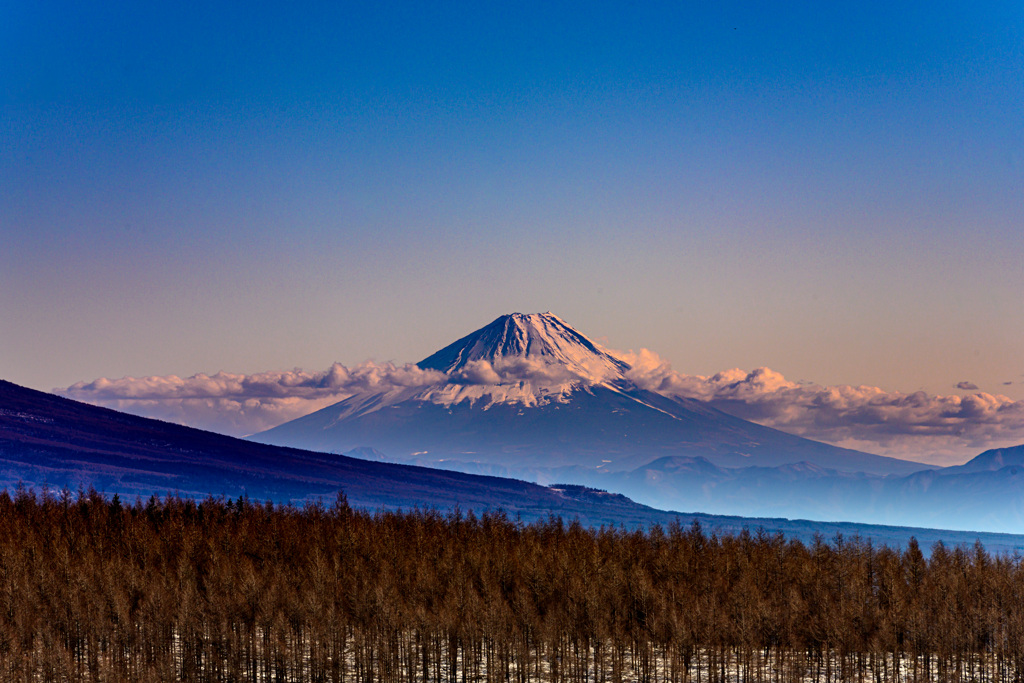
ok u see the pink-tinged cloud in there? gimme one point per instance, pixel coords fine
(918, 426)
(936, 429)
(239, 404)
(244, 404)
(514, 369)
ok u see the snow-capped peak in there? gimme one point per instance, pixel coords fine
(526, 342)
(529, 359)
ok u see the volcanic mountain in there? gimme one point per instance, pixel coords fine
(530, 396)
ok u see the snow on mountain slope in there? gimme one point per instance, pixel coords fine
(528, 393)
(525, 359)
(520, 342)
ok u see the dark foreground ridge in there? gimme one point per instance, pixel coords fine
(54, 442)
(47, 441)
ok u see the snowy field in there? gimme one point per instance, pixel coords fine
(412, 657)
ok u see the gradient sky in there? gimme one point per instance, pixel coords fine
(832, 190)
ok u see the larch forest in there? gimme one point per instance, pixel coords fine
(95, 589)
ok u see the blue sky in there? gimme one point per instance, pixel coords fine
(835, 191)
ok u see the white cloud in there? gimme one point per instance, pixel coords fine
(918, 426)
(239, 404)
(513, 370)
(477, 372)
(937, 429)
(244, 404)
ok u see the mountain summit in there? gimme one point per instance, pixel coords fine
(529, 396)
(531, 337)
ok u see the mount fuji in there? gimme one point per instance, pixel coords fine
(531, 397)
